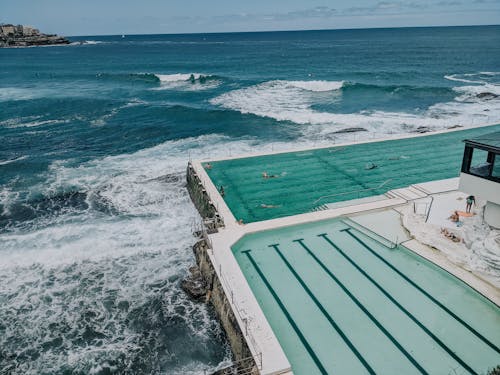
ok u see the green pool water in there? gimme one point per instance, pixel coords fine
(340, 302)
(304, 177)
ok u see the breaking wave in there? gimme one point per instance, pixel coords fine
(95, 287)
(187, 81)
(317, 86)
(287, 101)
(9, 161)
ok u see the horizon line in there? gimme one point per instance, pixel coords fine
(289, 31)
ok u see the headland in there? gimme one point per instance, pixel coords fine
(27, 36)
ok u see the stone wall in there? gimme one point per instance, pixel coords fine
(220, 301)
(202, 201)
(244, 361)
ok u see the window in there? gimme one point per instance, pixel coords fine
(495, 171)
(480, 165)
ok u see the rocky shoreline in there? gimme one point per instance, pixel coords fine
(27, 36)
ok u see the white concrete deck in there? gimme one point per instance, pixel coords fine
(443, 206)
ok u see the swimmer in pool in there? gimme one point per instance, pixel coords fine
(269, 205)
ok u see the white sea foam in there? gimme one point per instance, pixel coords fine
(478, 89)
(87, 262)
(317, 86)
(285, 101)
(19, 93)
(9, 161)
(460, 78)
(183, 81)
(165, 78)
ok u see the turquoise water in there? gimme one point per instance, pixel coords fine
(95, 221)
(337, 174)
(339, 302)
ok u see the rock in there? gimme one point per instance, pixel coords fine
(350, 130)
(422, 129)
(194, 285)
(454, 127)
(486, 95)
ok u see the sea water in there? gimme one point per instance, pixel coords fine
(95, 221)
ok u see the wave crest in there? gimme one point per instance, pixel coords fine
(317, 86)
(285, 101)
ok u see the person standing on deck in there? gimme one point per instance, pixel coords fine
(470, 201)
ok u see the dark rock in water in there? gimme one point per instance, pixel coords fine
(169, 178)
(422, 129)
(487, 95)
(350, 130)
(194, 285)
(454, 127)
(230, 370)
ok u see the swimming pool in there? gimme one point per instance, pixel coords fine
(340, 302)
(342, 173)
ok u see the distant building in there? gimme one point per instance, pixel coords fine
(30, 31)
(8, 30)
(480, 175)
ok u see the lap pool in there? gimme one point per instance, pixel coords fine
(303, 181)
(340, 302)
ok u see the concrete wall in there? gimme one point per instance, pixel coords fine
(202, 201)
(216, 295)
(220, 301)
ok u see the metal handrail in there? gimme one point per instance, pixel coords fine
(429, 209)
(354, 191)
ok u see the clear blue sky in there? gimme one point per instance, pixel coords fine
(98, 17)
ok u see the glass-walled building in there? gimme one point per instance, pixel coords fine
(480, 174)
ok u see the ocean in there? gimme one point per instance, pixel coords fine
(95, 220)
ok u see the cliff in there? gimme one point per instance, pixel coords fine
(25, 36)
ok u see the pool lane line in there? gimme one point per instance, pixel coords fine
(423, 291)
(362, 307)
(393, 300)
(323, 310)
(287, 315)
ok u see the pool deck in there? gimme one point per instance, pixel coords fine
(259, 335)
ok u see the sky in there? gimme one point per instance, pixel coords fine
(103, 17)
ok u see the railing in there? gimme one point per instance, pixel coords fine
(243, 318)
(371, 233)
(428, 206)
(257, 358)
(242, 366)
(353, 191)
(429, 209)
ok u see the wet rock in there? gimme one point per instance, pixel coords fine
(194, 285)
(350, 130)
(454, 127)
(422, 129)
(486, 95)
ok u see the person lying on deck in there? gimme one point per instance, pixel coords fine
(455, 217)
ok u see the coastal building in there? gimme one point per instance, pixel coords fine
(317, 260)
(8, 30)
(480, 173)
